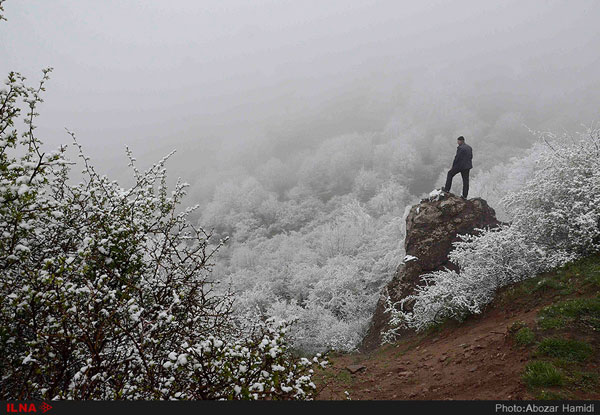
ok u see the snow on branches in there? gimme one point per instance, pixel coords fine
(107, 292)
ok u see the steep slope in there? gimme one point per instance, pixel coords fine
(539, 339)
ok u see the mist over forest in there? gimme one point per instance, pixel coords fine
(306, 129)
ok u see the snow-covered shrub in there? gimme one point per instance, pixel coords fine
(107, 292)
(255, 366)
(559, 208)
(556, 219)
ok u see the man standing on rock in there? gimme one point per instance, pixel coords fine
(462, 164)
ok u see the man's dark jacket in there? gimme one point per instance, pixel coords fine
(462, 160)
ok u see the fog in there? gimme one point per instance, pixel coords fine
(232, 84)
(307, 129)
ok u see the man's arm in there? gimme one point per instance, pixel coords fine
(458, 157)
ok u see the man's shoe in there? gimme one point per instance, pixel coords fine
(463, 197)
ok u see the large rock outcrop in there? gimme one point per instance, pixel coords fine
(431, 228)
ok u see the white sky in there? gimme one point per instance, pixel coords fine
(158, 74)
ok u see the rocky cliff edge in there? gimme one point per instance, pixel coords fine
(431, 227)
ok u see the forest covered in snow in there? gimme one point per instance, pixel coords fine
(315, 239)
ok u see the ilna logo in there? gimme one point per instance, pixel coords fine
(13, 408)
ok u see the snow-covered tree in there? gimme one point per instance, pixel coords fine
(107, 292)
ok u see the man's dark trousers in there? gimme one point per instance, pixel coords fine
(465, 178)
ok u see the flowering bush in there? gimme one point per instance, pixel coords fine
(556, 219)
(559, 209)
(107, 292)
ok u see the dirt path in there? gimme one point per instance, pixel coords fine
(477, 359)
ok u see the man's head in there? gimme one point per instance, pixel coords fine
(460, 140)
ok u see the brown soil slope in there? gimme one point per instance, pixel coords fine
(486, 356)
